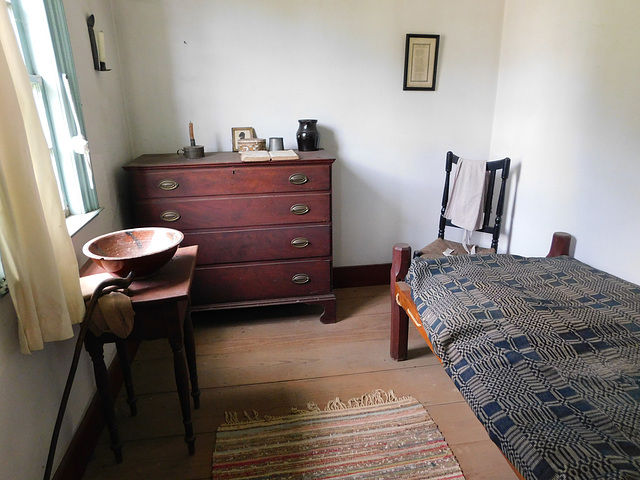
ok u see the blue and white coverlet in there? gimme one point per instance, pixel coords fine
(546, 351)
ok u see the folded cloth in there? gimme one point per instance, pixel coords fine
(89, 283)
(113, 313)
(466, 198)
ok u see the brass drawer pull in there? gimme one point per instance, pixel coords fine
(298, 179)
(300, 242)
(170, 216)
(168, 185)
(301, 278)
(299, 209)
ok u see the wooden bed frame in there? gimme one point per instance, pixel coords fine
(403, 307)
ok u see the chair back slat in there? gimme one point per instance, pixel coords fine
(451, 159)
(488, 200)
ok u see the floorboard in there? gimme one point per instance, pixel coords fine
(271, 359)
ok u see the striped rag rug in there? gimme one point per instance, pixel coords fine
(376, 436)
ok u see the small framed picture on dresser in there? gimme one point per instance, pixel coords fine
(240, 133)
(420, 62)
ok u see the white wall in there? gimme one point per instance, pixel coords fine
(568, 113)
(32, 385)
(224, 64)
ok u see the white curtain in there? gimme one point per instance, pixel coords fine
(37, 253)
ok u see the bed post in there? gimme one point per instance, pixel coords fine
(401, 260)
(560, 244)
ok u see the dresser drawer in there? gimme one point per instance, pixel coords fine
(257, 244)
(195, 182)
(266, 280)
(240, 211)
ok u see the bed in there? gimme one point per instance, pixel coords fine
(546, 352)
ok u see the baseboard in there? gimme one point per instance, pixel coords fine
(361, 275)
(75, 460)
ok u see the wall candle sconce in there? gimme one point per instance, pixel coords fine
(97, 46)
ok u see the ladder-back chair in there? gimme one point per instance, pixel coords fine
(490, 224)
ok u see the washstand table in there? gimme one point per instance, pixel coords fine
(161, 305)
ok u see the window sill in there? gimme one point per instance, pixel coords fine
(75, 223)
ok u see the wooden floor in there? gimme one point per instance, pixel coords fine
(272, 359)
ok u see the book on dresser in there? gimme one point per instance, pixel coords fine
(283, 155)
(264, 156)
(263, 229)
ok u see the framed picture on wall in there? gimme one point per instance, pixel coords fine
(240, 133)
(420, 62)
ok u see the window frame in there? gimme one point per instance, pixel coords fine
(62, 104)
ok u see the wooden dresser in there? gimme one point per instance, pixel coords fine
(263, 228)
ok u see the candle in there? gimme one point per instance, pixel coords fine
(191, 137)
(101, 54)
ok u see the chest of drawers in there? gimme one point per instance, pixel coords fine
(263, 228)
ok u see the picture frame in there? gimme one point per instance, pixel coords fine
(238, 133)
(421, 61)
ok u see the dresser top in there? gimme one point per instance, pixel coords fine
(220, 159)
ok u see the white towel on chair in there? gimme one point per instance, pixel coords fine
(466, 197)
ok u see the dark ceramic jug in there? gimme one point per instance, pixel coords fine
(307, 135)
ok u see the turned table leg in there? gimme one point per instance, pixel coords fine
(190, 351)
(182, 384)
(95, 348)
(123, 355)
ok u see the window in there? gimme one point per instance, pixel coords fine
(43, 38)
(41, 30)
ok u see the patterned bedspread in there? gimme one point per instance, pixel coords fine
(546, 351)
